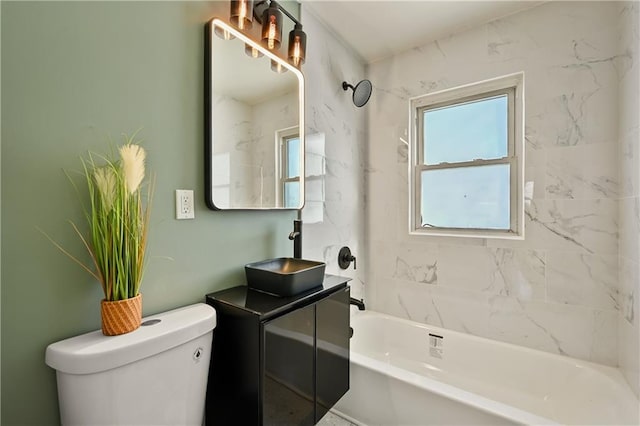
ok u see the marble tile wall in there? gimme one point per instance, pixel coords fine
(557, 290)
(629, 178)
(337, 127)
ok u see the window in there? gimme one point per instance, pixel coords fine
(289, 167)
(467, 161)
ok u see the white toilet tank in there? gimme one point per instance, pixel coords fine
(155, 375)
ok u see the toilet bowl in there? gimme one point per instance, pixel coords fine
(155, 375)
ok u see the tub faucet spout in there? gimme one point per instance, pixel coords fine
(358, 303)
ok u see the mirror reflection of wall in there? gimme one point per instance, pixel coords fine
(288, 167)
(246, 136)
(315, 171)
(255, 119)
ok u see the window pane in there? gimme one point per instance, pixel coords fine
(467, 131)
(466, 197)
(291, 194)
(293, 157)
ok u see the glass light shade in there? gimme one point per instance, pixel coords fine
(272, 28)
(277, 67)
(241, 14)
(223, 34)
(297, 46)
(252, 51)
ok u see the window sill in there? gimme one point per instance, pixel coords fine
(497, 235)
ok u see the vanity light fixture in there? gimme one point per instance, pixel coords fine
(269, 14)
(241, 14)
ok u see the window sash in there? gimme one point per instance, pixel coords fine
(513, 191)
(284, 190)
(510, 92)
(286, 141)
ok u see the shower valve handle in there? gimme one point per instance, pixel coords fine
(345, 258)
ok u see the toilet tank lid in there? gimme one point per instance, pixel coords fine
(94, 352)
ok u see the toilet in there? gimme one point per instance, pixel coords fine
(155, 375)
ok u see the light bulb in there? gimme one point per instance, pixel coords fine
(243, 15)
(296, 51)
(272, 33)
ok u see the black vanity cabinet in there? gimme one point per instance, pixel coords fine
(278, 360)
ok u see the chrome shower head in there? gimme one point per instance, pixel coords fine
(361, 92)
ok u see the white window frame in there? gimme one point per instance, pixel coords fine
(513, 86)
(282, 136)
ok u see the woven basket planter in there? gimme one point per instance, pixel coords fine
(121, 316)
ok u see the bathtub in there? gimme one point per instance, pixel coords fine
(406, 373)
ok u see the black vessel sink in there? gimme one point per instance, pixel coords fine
(284, 276)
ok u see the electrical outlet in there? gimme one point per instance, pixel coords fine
(184, 204)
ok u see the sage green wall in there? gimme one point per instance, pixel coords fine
(73, 72)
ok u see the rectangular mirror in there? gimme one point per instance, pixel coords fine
(254, 124)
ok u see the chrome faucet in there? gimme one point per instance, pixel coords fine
(296, 237)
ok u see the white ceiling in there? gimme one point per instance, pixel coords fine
(378, 29)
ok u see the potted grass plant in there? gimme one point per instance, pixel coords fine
(117, 218)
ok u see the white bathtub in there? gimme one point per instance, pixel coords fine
(398, 379)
